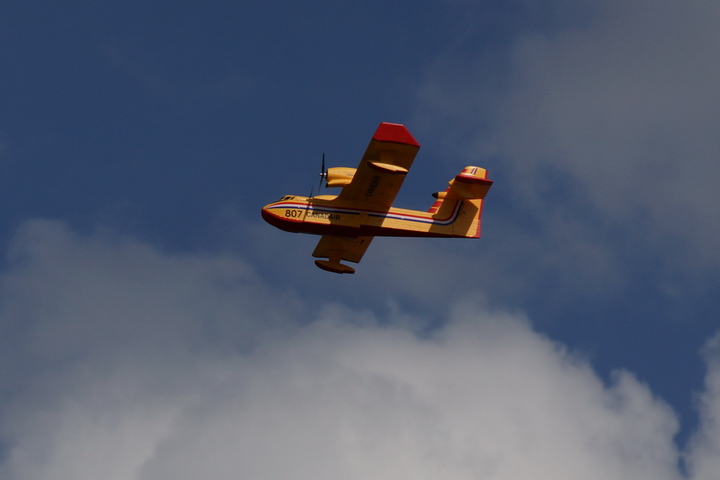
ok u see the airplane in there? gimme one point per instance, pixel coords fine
(363, 209)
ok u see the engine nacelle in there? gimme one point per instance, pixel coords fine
(339, 176)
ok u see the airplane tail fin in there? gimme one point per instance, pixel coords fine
(459, 208)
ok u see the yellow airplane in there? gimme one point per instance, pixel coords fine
(363, 209)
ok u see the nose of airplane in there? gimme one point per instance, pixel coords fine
(267, 214)
(271, 214)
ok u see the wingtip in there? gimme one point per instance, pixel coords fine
(395, 133)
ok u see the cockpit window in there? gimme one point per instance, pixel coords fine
(287, 197)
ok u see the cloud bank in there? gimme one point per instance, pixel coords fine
(123, 362)
(606, 124)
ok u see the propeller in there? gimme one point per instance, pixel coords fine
(323, 175)
(323, 172)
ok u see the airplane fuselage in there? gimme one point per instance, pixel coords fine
(326, 215)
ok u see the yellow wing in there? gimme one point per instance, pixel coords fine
(336, 248)
(383, 167)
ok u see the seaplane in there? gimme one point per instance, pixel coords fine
(348, 222)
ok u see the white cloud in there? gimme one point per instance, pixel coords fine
(704, 454)
(123, 362)
(624, 106)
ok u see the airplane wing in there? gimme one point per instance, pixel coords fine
(383, 167)
(374, 186)
(336, 248)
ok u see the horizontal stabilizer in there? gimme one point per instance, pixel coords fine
(472, 182)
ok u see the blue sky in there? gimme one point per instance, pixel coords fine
(153, 326)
